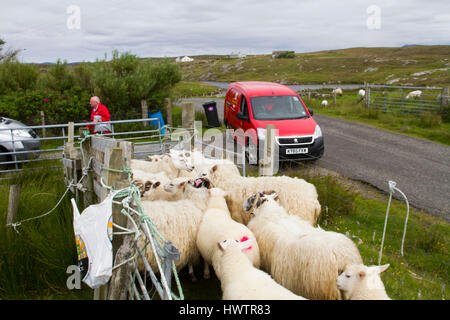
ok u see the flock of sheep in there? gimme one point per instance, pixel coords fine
(258, 233)
(362, 93)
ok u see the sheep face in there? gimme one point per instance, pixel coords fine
(174, 186)
(256, 200)
(355, 275)
(146, 186)
(201, 183)
(182, 160)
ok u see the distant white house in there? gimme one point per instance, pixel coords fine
(238, 55)
(184, 59)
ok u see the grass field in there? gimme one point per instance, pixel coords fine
(414, 66)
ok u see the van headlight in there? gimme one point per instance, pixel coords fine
(317, 132)
(261, 133)
(21, 133)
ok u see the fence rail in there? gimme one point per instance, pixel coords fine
(50, 147)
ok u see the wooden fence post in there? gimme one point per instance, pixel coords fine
(88, 181)
(188, 115)
(266, 165)
(367, 93)
(444, 97)
(13, 203)
(44, 134)
(169, 112)
(144, 109)
(118, 180)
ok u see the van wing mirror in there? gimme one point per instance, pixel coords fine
(311, 112)
(241, 116)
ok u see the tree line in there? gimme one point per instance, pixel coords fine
(62, 91)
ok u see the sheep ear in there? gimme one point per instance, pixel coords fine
(361, 274)
(214, 168)
(383, 268)
(156, 184)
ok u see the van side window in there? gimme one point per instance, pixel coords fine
(244, 107)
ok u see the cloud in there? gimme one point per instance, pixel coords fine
(193, 27)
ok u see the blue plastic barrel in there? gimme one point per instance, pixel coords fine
(158, 115)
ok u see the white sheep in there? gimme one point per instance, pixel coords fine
(304, 259)
(217, 225)
(296, 195)
(202, 163)
(362, 93)
(174, 164)
(337, 91)
(178, 222)
(240, 280)
(324, 103)
(360, 282)
(414, 94)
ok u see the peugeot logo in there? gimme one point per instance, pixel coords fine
(296, 140)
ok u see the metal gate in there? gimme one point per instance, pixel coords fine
(406, 100)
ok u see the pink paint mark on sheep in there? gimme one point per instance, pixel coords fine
(245, 238)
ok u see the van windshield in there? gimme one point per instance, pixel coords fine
(277, 108)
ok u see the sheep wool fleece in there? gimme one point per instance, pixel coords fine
(92, 228)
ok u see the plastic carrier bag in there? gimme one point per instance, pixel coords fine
(93, 236)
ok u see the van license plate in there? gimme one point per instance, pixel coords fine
(297, 151)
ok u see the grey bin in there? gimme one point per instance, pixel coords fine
(212, 117)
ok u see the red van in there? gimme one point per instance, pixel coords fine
(250, 106)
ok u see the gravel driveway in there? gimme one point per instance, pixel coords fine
(420, 168)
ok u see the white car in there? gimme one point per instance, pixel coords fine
(17, 141)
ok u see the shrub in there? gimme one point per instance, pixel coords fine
(15, 75)
(125, 81)
(286, 55)
(58, 77)
(59, 107)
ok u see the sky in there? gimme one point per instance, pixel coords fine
(71, 30)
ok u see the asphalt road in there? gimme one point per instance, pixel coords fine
(420, 168)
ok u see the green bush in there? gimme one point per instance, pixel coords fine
(58, 77)
(125, 81)
(15, 75)
(286, 55)
(59, 107)
(63, 92)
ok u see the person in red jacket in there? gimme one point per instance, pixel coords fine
(99, 113)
